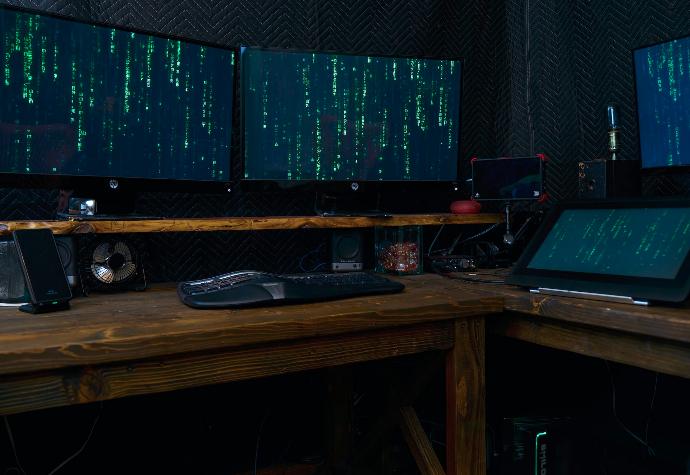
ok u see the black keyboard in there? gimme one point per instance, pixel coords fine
(253, 288)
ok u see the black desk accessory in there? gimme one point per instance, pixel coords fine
(508, 178)
(43, 271)
(252, 288)
(633, 251)
(347, 253)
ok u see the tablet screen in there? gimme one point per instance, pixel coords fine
(635, 242)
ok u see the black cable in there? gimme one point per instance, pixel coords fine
(258, 440)
(651, 409)
(433, 241)
(18, 467)
(81, 449)
(480, 234)
(312, 252)
(448, 250)
(615, 414)
(520, 231)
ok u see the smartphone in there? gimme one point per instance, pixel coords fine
(43, 270)
(508, 178)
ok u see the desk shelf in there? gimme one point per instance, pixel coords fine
(246, 223)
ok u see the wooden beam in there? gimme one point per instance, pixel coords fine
(247, 223)
(25, 392)
(418, 443)
(465, 405)
(646, 352)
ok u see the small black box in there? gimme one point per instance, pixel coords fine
(600, 179)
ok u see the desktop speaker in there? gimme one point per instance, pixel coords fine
(600, 179)
(346, 250)
(68, 256)
(12, 284)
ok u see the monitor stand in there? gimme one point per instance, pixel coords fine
(362, 205)
(109, 205)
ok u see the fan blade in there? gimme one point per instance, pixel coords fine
(123, 249)
(102, 273)
(125, 272)
(101, 253)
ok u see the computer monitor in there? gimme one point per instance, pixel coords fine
(662, 81)
(349, 122)
(89, 105)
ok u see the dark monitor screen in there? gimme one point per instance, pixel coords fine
(85, 100)
(507, 179)
(339, 117)
(634, 242)
(662, 75)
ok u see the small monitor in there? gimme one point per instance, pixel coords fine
(327, 117)
(508, 178)
(663, 103)
(637, 248)
(86, 100)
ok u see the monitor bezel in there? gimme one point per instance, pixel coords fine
(661, 169)
(346, 186)
(98, 183)
(669, 290)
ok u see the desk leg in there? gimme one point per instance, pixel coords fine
(465, 404)
(338, 437)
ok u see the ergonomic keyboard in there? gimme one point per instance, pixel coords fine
(253, 288)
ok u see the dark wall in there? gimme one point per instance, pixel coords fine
(446, 28)
(560, 64)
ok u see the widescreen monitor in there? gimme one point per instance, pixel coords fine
(316, 117)
(82, 100)
(662, 78)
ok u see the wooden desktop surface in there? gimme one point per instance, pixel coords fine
(106, 328)
(109, 328)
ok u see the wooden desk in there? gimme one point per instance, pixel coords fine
(656, 338)
(111, 346)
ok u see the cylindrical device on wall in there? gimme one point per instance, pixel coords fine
(612, 115)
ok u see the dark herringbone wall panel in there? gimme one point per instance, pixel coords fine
(563, 62)
(435, 28)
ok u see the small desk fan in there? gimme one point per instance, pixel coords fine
(112, 265)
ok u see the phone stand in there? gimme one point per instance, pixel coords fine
(44, 307)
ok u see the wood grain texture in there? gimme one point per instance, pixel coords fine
(668, 322)
(247, 223)
(465, 400)
(418, 443)
(108, 328)
(650, 353)
(26, 392)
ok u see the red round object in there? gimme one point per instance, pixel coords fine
(465, 207)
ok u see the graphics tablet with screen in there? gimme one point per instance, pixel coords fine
(633, 251)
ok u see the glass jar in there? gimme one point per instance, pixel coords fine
(399, 250)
